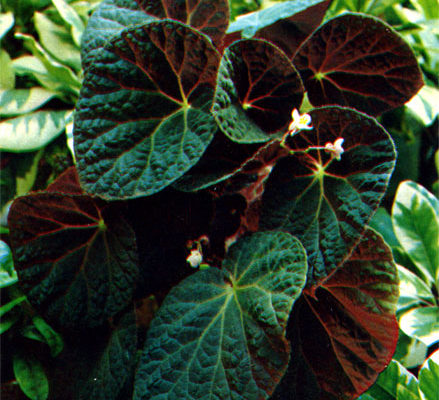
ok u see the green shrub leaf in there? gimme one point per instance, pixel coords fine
(422, 323)
(143, 118)
(30, 376)
(326, 202)
(22, 101)
(257, 88)
(416, 225)
(220, 333)
(31, 131)
(429, 377)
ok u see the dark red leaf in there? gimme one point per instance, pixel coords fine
(358, 61)
(346, 335)
(67, 183)
(76, 258)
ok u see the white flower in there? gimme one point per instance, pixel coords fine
(195, 258)
(335, 148)
(299, 122)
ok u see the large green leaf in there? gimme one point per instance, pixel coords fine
(346, 333)
(76, 258)
(21, 101)
(416, 225)
(257, 88)
(395, 383)
(143, 117)
(422, 323)
(325, 202)
(69, 15)
(220, 333)
(209, 16)
(7, 76)
(31, 131)
(358, 61)
(8, 275)
(6, 23)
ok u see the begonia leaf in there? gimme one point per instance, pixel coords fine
(76, 257)
(98, 364)
(209, 16)
(143, 118)
(221, 160)
(257, 88)
(286, 24)
(67, 183)
(358, 61)
(220, 333)
(346, 334)
(326, 202)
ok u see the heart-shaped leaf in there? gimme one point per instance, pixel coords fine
(358, 61)
(346, 334)
(209, 16)
(220, 333)
(286, 24)
(76, 258)
(257, 87)
(326, 202)
(143, 118)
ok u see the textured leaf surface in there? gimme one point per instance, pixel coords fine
(31, 131)
(220, 333)
(257, 87)
(416, 224)
(285, 24)
(209, 16)
(345, 335)
(96, 364)
(143, 116)
(358, 61)
(76, 259)
(326, 202)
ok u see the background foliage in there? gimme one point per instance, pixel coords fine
(40, 80)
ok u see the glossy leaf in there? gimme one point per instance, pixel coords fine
(220, 333)
(422, 323)
(30, 376)
(358, 61)
(416, 225)
(76, 258)
(395, 383)
(8, 275)
(429, 377)
(30, 132)
(143, 116)
(21, 101)
(286, 24)
(257, 88)
(325, 202)
(211, 17)
(57, 41)
(414, 291)
(346, 334)
(6, 23)
(69, 15)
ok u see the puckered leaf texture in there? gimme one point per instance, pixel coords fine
(220, 333)
(76, 257)
(345, 335)
(143, 116)
(326, 202)
(358, 61)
